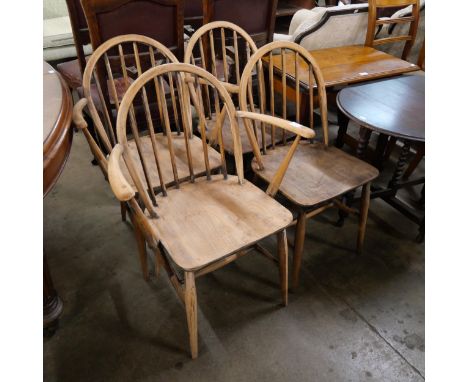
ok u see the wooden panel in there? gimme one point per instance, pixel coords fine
(205, 221)
(344, 65)
(316, 173)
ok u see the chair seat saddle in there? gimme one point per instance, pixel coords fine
(317, 173)
(180, 154)
(205, 221)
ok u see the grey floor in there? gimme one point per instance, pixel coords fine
(352, 319)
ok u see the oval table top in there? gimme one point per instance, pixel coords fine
(393, 106)
(57, 136)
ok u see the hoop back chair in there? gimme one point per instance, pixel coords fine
(256, 17)
(72, 71)
(110, 18)
(197, 225)
(106, 74)
(221, 48)
(413, 20)
(313, 175)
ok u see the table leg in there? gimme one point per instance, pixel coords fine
(382, 143)
(343, 122)
(402, 161)
(347, 199)
(52, 304)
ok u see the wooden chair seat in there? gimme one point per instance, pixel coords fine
(180, 153)
(317, 173)
(208, 220)
(246, 146)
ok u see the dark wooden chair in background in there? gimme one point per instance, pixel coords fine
(162, 20)
(198, 225)
(106, 74)
(72, 71)
(193, 14)
(313, 175)
(256, 17)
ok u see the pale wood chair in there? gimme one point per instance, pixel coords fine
(110, 70)
(197, 225)
(375, 6)
(223, 49)
(318, 174)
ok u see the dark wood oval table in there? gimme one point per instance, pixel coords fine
(57, 140)
(395, 108)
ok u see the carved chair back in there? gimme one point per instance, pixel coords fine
(373, 23)
(108, 74)
(256, 17)
(162, 20)
(188, 81)
(306, 70)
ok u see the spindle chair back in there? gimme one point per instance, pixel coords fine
(108, 74)
(312, 174)
(194, 224)
(373, 23)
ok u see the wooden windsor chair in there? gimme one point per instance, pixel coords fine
(223, 49)
(111, 69)
(317, 174)
(197, 225)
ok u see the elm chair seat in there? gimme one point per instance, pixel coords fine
(211, 209)
(326, 172)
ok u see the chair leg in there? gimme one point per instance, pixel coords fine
(141, 242)
(123, 211)
(298, 247)
(191, 311)
(282, 244)
(365, 201)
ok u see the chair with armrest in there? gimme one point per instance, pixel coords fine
(229, 47)
(317, 174)
(111, 71)
(201, 224)
(256, 17)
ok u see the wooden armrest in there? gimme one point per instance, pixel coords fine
(231, 88)
(294, 127)
(122, 190)
(78, 119)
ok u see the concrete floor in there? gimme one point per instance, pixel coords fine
(352, 319)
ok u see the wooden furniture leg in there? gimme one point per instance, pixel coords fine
(282, 244)
(363, 142)
(343, 122)
(420, 152)
(191, 311)
(141, 243)
(123, 211)
(52, 304)
(365, 201)
(298, 247)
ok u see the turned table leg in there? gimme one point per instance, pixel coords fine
(52, 303)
